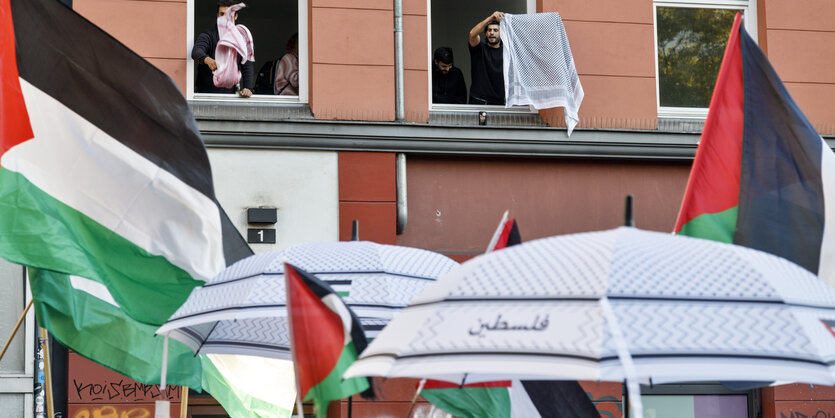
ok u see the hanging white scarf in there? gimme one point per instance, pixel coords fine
(538, 65)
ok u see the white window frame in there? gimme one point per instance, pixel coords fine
(749, 9)
(303, 67)
(22, 384)
(465, 108)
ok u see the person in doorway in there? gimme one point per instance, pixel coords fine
(448, 84)
(203, 55)
(486, 62)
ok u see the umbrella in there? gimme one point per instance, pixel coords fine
(242, 310)
(614, 305)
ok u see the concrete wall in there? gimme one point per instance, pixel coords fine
(302, 185)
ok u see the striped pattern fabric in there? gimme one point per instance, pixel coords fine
(687, 309)
(243, 309)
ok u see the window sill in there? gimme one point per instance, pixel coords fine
(467, 115)
(229, 107)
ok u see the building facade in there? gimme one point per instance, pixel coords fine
(426, 174)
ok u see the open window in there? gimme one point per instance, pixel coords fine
(272, 24)
(449, 26)
(690, 40)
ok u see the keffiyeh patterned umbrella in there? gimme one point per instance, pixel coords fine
(242, 310)
(614, 305)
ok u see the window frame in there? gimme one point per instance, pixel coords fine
(214, 97)
(21, 384)
(465, 108)
(700, 388)
(749, 11)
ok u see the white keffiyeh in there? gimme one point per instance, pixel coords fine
(538, 65)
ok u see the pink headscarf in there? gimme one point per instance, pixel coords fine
(233, 39)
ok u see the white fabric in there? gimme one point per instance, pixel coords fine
(270, 380)
(538, 65)
(826, 268)
(521, 405)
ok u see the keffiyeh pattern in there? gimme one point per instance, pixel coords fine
(538, 65)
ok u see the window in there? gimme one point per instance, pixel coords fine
(272, 24)
(690, 41)
(449, 25)
(699, 400)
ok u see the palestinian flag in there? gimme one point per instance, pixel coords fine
(763, 177)
(106, 191)
(103, 174)
(326, 338)
(510, 398)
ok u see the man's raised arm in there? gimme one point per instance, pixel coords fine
(476, 31)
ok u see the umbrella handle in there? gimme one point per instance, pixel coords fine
(632, 388)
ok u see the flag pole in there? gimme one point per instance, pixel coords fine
(16, 327)
(47, 372)
(184, 402)
(299, 405)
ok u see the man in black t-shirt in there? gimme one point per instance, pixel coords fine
(486, 62)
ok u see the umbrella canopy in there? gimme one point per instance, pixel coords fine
(242, 310)
(610, 304)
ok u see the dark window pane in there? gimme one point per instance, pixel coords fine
(691, 43)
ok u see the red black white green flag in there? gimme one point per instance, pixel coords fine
(325, 338)
(763, 177)
(106, 193)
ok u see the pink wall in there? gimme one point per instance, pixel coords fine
(156, 30)
(352, 54)
(613, 47)
(352, 50)
(801, 47)
(455, 203)
(415, 61)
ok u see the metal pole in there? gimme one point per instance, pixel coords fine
(355, 230)
(50, 410)
(628, 219)
(16, 327)
(402, 202)
(399, 93)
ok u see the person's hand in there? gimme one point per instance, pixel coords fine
(245, 93)
(498, 16)
(211, 63)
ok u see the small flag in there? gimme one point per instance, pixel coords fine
(763, 177)
(326, 338)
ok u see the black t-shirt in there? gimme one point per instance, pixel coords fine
(449, 87)
(487, 74)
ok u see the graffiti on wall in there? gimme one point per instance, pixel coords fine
(116, 411)
(818, 414)
(123, 389)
